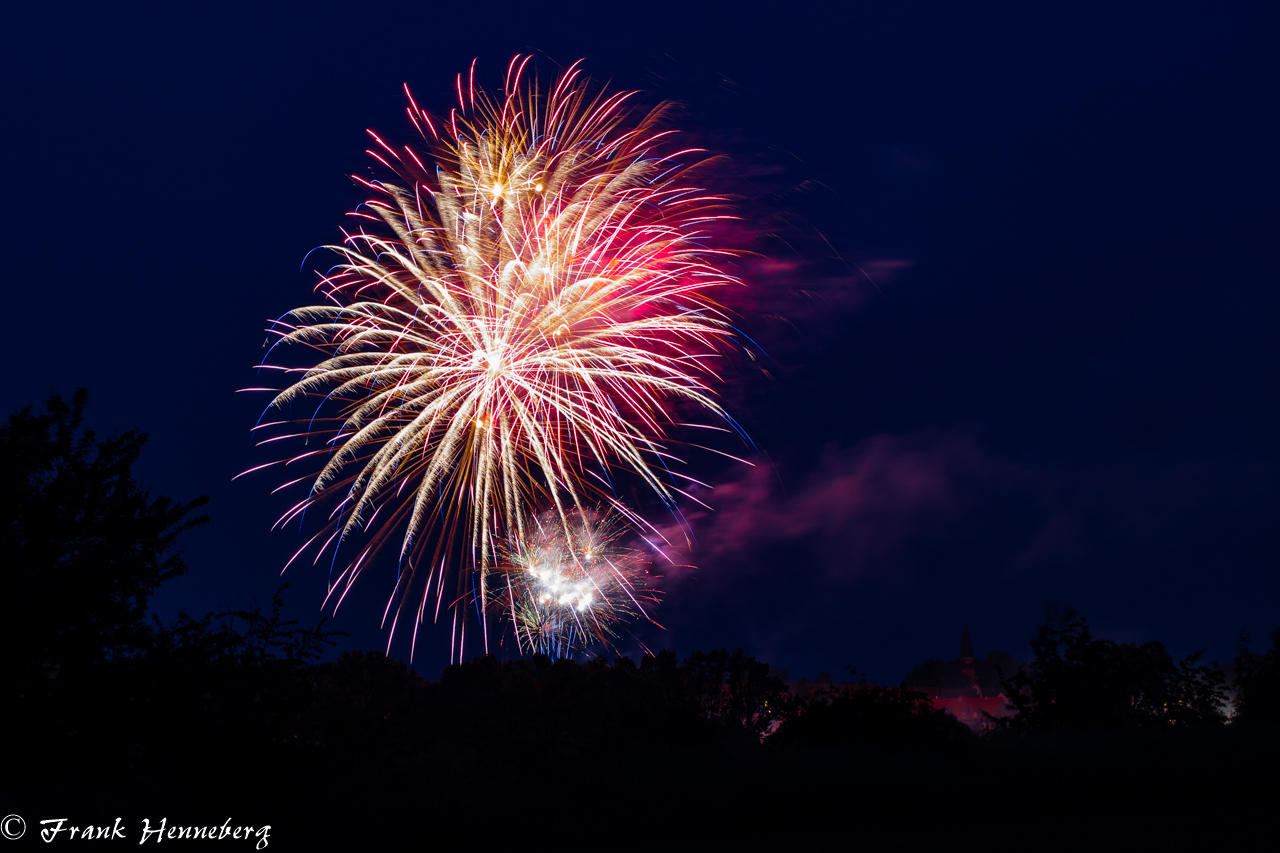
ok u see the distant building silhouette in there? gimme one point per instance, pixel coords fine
(967, 664)
(966, 686)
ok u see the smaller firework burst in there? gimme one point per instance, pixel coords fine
(570, 584)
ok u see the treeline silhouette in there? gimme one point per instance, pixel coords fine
(112, 713)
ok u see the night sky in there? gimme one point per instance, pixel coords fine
(1026, 255)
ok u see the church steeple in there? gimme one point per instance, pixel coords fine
(967, 664)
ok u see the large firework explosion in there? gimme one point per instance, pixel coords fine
(570, 583)
(511, 326)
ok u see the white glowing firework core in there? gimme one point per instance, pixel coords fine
(571, 584)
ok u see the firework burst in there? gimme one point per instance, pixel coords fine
(512, 324)
(569, 584)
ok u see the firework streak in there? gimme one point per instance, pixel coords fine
(512, 323)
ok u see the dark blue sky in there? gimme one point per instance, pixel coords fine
(1063, 388)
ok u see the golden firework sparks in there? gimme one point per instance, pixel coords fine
(508, 327)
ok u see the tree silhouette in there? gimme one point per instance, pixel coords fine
(890, 718)
(1257, 678)
(84, 544)
(734, 690)
(1078, 682)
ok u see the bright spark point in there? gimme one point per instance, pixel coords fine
(592, 586)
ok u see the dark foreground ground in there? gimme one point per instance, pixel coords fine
(364, 754)
(232, 718)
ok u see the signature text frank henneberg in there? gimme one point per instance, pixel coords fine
(56, 826)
